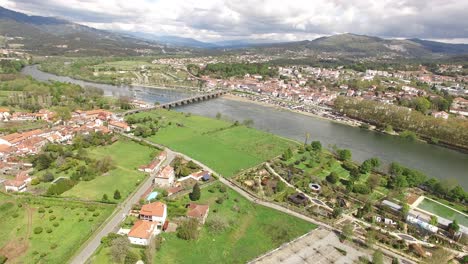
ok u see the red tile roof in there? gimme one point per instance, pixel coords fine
(197, 210)
(142, 229)
(153, 209)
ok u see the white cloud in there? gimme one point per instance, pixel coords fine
(276, 19)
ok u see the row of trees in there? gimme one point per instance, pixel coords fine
(452, 131)
(34, 95)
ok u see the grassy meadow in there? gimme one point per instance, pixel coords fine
(223, 147)
(127, 156)
(253, 230)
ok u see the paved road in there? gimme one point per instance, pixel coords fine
(123, 209)
(114, 222)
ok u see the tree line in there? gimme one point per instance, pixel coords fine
(452, 131)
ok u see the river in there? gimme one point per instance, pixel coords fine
(433, 160)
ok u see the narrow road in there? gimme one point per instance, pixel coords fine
(112, 225)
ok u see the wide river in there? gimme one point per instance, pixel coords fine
(435, 161)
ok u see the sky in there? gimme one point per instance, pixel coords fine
(278, 20)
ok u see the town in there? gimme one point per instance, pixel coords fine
(270, 146)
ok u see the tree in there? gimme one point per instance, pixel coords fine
(434, 220)
(370, 238)
(373, 181)
(316, 145)
(422, 104)
(117, 195)
(195, 194)
(337, 211)
(344, 154)
(63, 113)
(287, 154)
(119, 249)
(405, 210)
(131, 257)
(105, 198)
(453, 227)
(377, 257)
(354, 175)
(347, 232)
(218, 115)
(333, 178)
(395, 261)
(48, 177)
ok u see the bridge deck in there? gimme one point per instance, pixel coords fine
(197, 98)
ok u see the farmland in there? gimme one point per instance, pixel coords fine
(46, 230)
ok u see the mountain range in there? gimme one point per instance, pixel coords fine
(55, 36)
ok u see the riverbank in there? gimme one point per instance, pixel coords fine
(234, 97)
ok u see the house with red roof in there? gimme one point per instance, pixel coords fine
(142, 232)
(165, 177)
(118, 126)
(155, 163)
(19, 184)
(198, 211)
(152, 218)
(154, 212)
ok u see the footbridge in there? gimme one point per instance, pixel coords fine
(185, 101)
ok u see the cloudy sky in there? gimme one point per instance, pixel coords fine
(215, 20)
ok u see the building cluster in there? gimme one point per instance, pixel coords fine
(20, 144)
(152, 217)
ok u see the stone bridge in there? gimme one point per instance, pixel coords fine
(185, 101)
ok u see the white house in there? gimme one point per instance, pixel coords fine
(165, 177)
(155, 163)
(154, 212)
(142, 232)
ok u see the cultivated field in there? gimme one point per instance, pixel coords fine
(43, 230)
(217, 143)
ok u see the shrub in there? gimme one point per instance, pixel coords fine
(56, 224)
(220, 200)
(188, 230)
(38, 230)
(41, 210)
(49, 230)
(217, 224)
(51, 211)
(96, 214)
(52, 217)
(20, 205)
(3, 259)
(361, 188)
(222, 189)
(53, 246)
(91, 209)
(15, 215)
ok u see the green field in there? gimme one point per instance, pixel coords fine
(61, 236)
(443, 211)
(253, 230)
(225, 148)
(128, 156)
